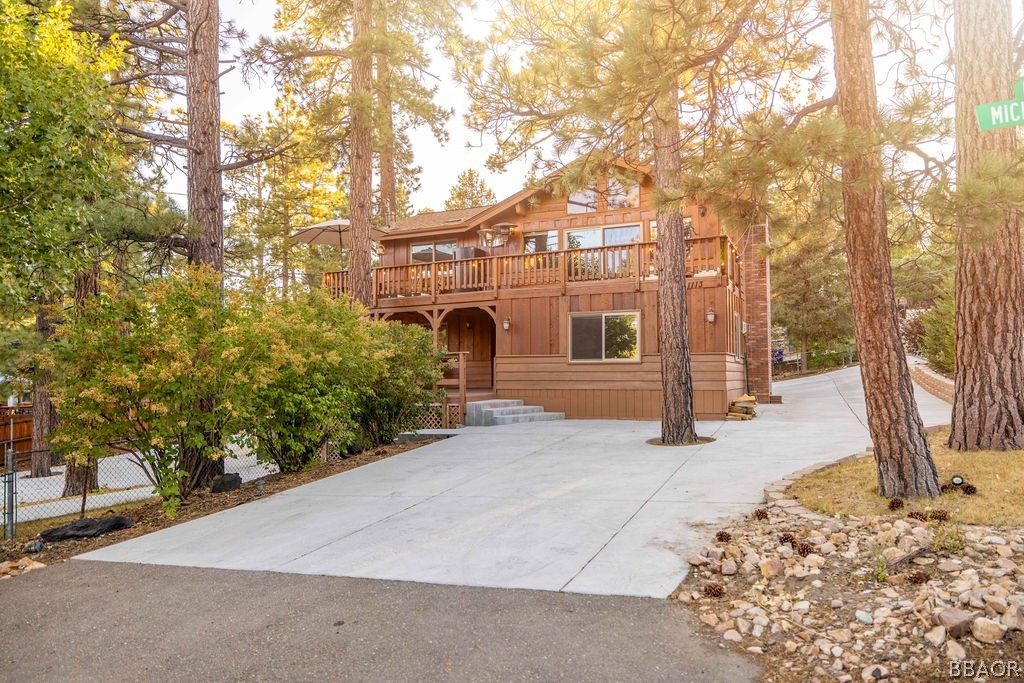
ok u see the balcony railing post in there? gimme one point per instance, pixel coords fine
(638, 264)
(433, 282)
(496, 273)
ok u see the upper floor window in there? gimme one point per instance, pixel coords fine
(602, 237)
(432, 252)
(582, 201)
(604, 336)
(622, 196)
(534, 242)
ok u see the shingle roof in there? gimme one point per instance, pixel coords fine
(435, 220)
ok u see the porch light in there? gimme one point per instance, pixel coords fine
(506, 324)
(496, 235)
(710, 316)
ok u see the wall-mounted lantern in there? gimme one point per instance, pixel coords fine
(496, 235)
(710, 315)
(506, 324)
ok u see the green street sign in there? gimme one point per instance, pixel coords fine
(1002, 114)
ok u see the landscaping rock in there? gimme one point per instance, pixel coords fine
(1013, 618)
(874, 672)
(732, 636)
(955, 651)
(956, 621)
(223, 483)
(986, 630)
(770, 568)
(86, 528)
(937, 636)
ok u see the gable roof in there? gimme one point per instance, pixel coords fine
(433, 220)
(445, 221)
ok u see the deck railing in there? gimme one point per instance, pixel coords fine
(706, 256)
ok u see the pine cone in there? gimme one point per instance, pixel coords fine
(804, 549)
(918, 515)
(938, 515)
(787, 537)
(761, 514)
(723, 537)
(895, 503)
(969, 489)
(947, 488)
(713, 590)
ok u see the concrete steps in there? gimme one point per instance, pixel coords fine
(505, 412)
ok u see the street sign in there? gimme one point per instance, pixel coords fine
(1002, 114)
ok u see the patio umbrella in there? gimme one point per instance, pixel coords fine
(336, 232)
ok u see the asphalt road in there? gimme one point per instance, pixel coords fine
(84, 620)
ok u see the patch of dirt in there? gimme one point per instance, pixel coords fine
(149, 517)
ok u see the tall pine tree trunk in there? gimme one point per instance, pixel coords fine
(79, 478)
(988, 396)
(386, 146)
(905, 466)
(677, 416)
(202, 89)
(361, 154)
(205, 200)
(44, 414)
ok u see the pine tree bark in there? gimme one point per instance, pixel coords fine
(44, 414)
(205, 195)
(202, 89)
(905, 466)
(677, 416)
(386, 133)
(988, 395)
(361, 154)
(83, 478)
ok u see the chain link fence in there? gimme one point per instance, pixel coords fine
(56, 489)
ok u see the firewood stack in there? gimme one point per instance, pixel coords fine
(742, 408)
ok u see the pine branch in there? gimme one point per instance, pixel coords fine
(157, 138)
(251, 158)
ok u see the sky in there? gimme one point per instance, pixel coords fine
(440, 164)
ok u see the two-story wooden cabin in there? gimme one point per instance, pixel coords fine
(554, 299)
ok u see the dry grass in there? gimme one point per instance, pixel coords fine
(849, 488)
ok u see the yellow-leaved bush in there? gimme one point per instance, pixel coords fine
(179, 371)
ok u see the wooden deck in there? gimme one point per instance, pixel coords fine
(490, 275)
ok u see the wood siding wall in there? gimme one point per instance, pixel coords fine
(606, 390)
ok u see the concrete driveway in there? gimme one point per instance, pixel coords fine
(583, 506)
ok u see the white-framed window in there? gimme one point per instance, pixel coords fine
(604, 337)
(432, 252)
(536, 242)
(611, 236)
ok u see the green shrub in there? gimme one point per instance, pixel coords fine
(322, 352)
(939, 328)
(404, 386)
(132, 368)
(171, 372)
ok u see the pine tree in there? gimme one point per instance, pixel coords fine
(469, 190)
(905, 466)
(622, 78)
(988, 401)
